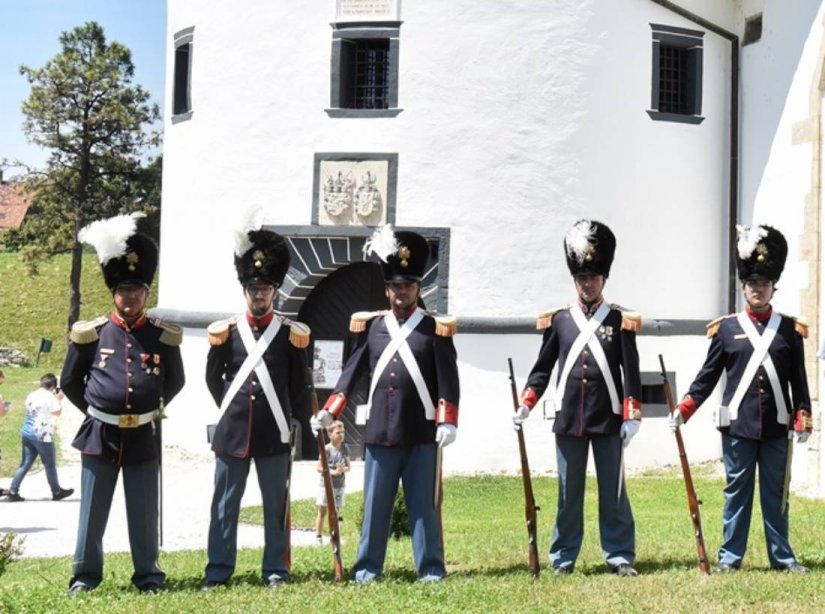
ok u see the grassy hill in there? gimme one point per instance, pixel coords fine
(35, 307)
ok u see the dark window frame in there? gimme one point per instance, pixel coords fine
(182, 81)
(685, 47)
(344, 35)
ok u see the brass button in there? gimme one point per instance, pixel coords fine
(392, 374)
(761, 378)
(128, 374)
(252, 396)
(254, 383)
(131, 389)
(129, 360)
(584, 366)
(584, 380)
(761, 391)
(128, 406)
(128, 345)
(395, 360)
(390, 389)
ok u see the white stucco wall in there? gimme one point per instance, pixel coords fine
(518, 118)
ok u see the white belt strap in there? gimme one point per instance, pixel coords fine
(587, 331)
(126, 421)
(398, 343)
(254, 361)
(761, 344)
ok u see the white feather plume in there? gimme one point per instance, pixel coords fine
(382, 243)
(109, 236)
(251, 218)
(578, 239)
(748, 238)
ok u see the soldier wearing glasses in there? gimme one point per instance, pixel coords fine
(255, 371)
(120, 370)
(765, 400)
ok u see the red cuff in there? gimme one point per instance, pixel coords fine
(803, 421)
(336, 404)
(687, 407)
(529, 398)
(447, 413)
(632, 409)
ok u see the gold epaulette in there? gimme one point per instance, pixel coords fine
(358, 320)
(545, 319)
(298, 333)
(713, 327)
(445, 325)
(172, 333)
(800, 326)
(218, 332)
(85, 331)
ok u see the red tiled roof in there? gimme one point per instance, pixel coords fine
(14, 203)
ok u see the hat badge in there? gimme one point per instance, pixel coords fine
(404, 255)
(761, 252)
(132, 258)
(258, 257)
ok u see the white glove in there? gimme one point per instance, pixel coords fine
(445, 434)
(319, 421)
(676, 420)
(629, 429)
(802, 436)
(522, 413)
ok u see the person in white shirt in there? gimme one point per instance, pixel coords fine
(38, 438)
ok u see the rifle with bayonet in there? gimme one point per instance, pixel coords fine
(530, 507)
(332, 510)
(693, 500)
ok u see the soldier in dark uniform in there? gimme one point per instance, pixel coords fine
(255, 371)
(597, 401)
(120, 371)
(412, 407)
(762, 353)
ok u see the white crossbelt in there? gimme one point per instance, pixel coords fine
(761, 344)
(398, 343)
(587, 331)
(124, 421)
(254, 361)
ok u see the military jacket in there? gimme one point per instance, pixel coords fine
(585, 405)
(397, 416)
(729, 351)
(247, 428)
(119, 370)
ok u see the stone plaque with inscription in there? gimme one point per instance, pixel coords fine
(368, 10)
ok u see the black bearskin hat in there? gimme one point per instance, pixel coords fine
(761, 252)
(126, 256)
(264, 259)
(403, 254)
(589, 247)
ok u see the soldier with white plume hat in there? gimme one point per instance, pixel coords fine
(255, 373)
(597, 399)
(765, 401)
(120, 370)
(412, 409)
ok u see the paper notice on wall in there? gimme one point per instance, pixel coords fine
(327, 363)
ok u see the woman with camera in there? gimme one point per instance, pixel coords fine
(37, 434)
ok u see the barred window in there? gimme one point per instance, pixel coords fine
(182, 83)
(364, 79)
(676, 88)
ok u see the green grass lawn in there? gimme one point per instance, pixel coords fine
(486, 551)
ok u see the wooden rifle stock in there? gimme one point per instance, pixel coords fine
(332, 510)
(530, 507)
(693, 499)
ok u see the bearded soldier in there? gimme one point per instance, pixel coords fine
(412, 407)
(255, 372)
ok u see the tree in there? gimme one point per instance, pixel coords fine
(96, 123)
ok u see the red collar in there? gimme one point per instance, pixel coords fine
(758, 317)
(591, 310)
(261, 322)
(120, 322)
